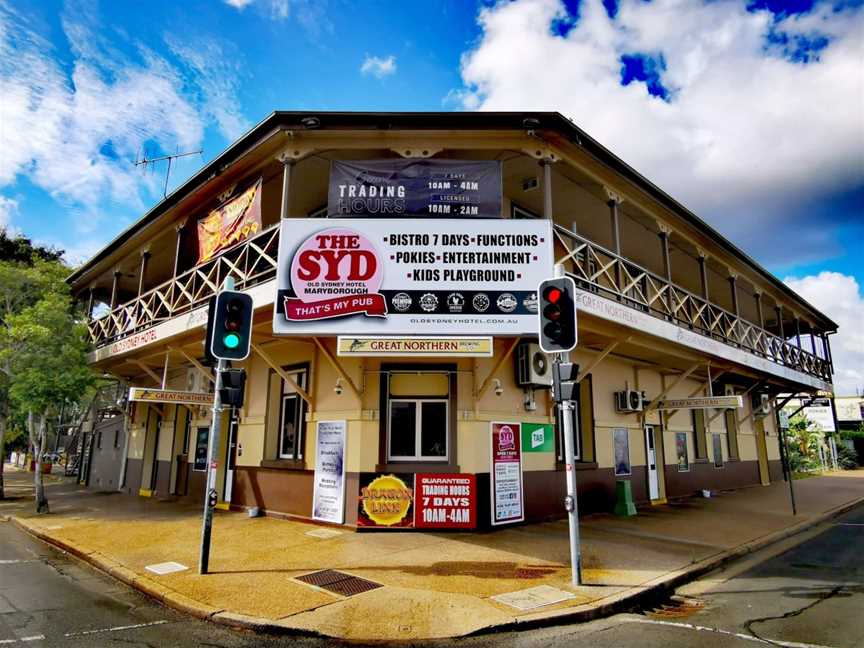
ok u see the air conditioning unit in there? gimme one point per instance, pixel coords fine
(533, 368)
(761, 404)
(196, 382)
(629, 400)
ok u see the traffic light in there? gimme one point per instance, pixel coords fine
(229, 329)
(233, 387)
(557, 314)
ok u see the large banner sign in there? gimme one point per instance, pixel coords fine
(328, 499)
(506, 490)
(424, 188)
(410, 277)
(420, 501)
(235, 221)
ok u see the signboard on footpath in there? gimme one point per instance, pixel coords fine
(145, 395)
(506, 473)
(421, 501)
(328, 497)
(415, 187)
(410, 277)
(429, 347)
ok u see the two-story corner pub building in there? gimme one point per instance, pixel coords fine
(394, 379)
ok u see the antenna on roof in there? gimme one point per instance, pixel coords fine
(144, 161)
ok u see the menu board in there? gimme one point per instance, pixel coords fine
(400, 187)
(506, 474)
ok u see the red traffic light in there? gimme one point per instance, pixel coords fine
(552, 294)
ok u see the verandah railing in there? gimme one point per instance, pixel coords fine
(250, 262)
(596, 269)
(592, 266)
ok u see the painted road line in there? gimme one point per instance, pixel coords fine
(850, 524)
(6, 642)
(739, 635)
(17, 561)
(115, 629)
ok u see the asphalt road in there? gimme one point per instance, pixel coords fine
(810, 595)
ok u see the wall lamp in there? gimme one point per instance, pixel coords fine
(338, 387)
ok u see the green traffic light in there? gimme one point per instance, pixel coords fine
(231, 340)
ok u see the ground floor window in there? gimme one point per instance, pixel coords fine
(697, 418)
(418, 429)
(718, 450)
(292, 418)
(416, 410)
(681, 451)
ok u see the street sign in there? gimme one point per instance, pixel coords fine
(718, 402)
(143, 394)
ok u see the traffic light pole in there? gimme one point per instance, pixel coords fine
(566, 409)
(210, 493)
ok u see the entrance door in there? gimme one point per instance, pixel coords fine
(762, 452)
(231, 455)
(651, 463)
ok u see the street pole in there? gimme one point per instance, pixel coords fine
(210, 493)
(566, 409)
(782, 425)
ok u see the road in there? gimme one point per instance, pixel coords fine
(810, 595)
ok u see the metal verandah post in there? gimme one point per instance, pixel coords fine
(210, 492)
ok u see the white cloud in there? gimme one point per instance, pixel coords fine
(75, 130)
(378, 67)
(746, 137)
(839, 297)
(8, 208)
(238, 4)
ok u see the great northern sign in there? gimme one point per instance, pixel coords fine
(718, 402)
(410, 277)
(427, 347)
(145, 395)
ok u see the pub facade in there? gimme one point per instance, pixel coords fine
(394, 379)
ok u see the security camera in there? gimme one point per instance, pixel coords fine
(499, 389)
(338, 387)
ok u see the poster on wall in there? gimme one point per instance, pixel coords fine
(232, 222)
(328, 497)
(506, 473)
(400, 187)
(445, 501)
(386, 501)
(410, 277)
(681, 451)
(621, 449)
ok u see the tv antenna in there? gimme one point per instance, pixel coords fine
(144, 161)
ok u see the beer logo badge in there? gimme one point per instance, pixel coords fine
(507, 303)
(530, 303)
(335, 273)
(428, 302)
(481, 302)
(402, 301)
(455, 302)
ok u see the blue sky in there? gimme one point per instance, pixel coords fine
(748, 111)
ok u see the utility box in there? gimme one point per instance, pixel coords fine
(624, 505)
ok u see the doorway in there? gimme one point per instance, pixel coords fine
(762, 452)
(651, 464)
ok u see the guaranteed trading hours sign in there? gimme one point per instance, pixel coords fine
(410, 277)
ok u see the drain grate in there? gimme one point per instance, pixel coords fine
(338, 582)
(679, 607)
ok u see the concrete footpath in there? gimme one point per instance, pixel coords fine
(431, 584)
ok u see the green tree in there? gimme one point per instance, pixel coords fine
(22, 284)
(46, 357)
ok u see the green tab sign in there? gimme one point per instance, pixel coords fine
(538, 437)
